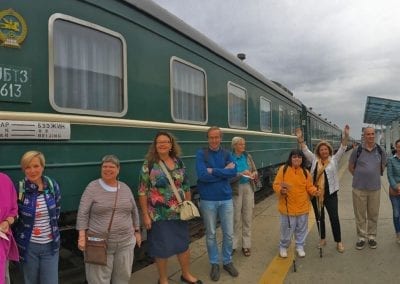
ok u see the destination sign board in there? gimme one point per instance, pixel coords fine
(36, 130)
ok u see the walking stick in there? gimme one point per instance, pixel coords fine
(288, 218)
(319, 207)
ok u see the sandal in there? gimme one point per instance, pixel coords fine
(246, 251)
(340, 247)
(322, 243)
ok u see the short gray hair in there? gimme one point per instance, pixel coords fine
(110, 159)
(236, 140)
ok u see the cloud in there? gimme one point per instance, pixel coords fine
(330, 54)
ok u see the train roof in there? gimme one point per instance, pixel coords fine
(159, 13)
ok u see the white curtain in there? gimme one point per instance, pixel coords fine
(189, 96)
(88, 71)
(237, 106)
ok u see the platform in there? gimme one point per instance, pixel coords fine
(380, 265)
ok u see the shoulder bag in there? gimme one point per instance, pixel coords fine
(187, 209)
(96, 244)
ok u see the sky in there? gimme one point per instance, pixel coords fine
(331, 54)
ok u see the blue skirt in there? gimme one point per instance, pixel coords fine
(168, 238)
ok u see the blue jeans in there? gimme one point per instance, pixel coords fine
(210, 211)
(396, 212)
(41, 264)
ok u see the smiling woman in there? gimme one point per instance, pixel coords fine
(37, 234)
(108, 212)
(167, 235)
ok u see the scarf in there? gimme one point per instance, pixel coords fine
(320, 180)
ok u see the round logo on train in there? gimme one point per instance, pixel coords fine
(13, 29)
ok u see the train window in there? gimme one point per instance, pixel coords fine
(292, 122)
(237, 106)
(87, 68)
(281, 120)
(189, 92)
(265, 115)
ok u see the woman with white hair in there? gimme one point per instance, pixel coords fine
(243, 187)
(324, 169)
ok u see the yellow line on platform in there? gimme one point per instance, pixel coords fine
(279, 267)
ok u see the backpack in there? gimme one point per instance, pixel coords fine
(21, 188)
(380, 151)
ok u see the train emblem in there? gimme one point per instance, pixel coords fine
(13, 29)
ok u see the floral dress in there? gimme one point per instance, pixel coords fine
(161, 201)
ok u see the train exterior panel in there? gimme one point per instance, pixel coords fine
(111, 74)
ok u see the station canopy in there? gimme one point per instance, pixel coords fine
(381, 111)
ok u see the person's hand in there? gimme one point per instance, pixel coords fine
(246, 172)
(138, 237)
(231, 165)
(81, 243)
(209, 171)
(4, 226)
(346, 130)
(299, 135)
(284, 188)
(147, 221)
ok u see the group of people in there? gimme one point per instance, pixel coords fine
(218, 171)
(34, 240)
(226, 184)
(294, 185)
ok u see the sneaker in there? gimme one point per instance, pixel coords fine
(372, 243)
(360, 244)
(300, 252)
(283, 252)
(231, 269)
(214, 274)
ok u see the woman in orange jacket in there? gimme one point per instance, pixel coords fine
(293, 185)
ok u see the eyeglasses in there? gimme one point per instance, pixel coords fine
(163, 142)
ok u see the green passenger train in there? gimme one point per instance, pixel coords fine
(83, 78)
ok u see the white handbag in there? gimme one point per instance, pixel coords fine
(187, 209)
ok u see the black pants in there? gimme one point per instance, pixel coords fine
(331, 205)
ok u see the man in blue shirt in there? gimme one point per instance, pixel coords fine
(215, 167)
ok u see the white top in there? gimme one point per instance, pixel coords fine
(41, 232)
(331, 169)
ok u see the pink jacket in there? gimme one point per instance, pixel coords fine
(8, 208)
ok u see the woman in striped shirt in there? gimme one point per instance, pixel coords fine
(36, 231)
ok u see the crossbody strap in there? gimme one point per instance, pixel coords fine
(112, 215)
(171, 182)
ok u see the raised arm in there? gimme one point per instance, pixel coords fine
(346, 132)
(300, 138)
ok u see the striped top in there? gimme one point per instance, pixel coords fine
(95, 210)
(41, 233)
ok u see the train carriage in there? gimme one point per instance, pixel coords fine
(81, 78)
